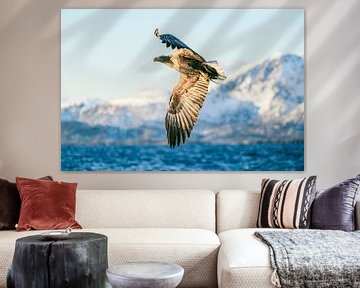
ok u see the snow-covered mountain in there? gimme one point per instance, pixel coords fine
(261, 101)
(123, 113)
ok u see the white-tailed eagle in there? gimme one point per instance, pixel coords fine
(189, 94)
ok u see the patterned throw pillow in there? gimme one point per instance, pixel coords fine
(286, 204)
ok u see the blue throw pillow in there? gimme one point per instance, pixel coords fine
(334, 208)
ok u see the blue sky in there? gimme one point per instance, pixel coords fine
(107, 54)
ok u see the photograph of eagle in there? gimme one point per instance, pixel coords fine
(189, 94)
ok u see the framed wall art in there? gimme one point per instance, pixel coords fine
(182, 90)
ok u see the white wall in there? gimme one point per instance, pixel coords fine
(30, 95)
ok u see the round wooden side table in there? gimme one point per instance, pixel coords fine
(145, 275)
(80, 261)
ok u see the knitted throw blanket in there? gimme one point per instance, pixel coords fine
(313, 258)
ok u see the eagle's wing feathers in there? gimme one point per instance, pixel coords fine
(185, 103)
(171, 40)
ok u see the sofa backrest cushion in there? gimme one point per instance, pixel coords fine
(146, 209)
(334, 207)
(236, 209)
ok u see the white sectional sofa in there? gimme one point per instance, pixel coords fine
(145, 225)
(177, 226)
(243, 260)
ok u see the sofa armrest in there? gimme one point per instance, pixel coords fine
(357, 215)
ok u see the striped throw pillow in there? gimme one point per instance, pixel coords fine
(286, 204)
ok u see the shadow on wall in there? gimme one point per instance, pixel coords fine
(336, 74)
(89, 38)
(46, 11)
(224, 40)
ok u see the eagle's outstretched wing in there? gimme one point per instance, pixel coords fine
(185, 103)
(171, 40)
(189, 94)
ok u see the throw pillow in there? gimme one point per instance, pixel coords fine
(334, 208)
(10, 204)
(286, 204)
(46, 204)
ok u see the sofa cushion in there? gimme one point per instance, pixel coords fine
(244, 261)
(286, 204)
(153, 209)
(10, 204)
(334, 208)
(194, 249)
(46, 204)
(236, 209)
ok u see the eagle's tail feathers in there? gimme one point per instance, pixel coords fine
(215, 71)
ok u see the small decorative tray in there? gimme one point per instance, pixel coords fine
(56, 235)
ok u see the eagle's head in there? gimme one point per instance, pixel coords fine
(164, 59)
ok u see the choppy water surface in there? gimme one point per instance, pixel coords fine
(191, 157)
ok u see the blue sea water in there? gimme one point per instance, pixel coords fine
(190, 157)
